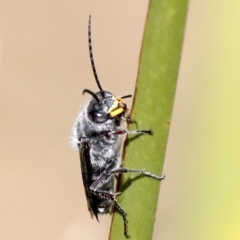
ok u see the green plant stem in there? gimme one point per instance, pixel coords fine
(152, 108)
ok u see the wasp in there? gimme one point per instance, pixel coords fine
(97, 133)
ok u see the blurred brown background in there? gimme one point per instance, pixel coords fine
(44, 66)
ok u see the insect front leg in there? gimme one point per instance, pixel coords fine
(124, 131)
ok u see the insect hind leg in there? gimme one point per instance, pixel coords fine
(112, 198)
(124, 216)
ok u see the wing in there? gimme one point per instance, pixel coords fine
(87, 170)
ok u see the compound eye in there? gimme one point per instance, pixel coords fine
(98, 117)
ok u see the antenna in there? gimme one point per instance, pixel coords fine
(91, 57)
(92, 94)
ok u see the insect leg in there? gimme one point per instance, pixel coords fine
(124, 131)
(106, 175)
(99, 182)
(140, 171)
(94, 188)
(109, 196)
(119, 208)
(124, 216)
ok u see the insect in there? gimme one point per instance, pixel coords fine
(97, 133)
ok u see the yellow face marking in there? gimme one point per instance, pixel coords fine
(114, 106)
(118, 107)
(116, 112)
